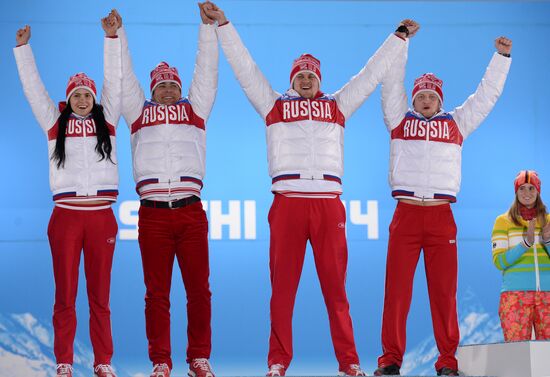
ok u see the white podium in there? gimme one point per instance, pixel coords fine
(516, 359)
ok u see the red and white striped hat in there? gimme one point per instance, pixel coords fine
(80, 81)
(527, 176)
(428, 82)
(162, 73)
(308, 63)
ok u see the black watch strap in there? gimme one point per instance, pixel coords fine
(402, 29)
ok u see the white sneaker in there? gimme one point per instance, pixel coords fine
(64, 370)
(352, 370)
(160, 370)
(104, 370)
(276, 370)
(200, 368)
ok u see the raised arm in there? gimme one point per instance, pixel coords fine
(112, 71)
(133, 97)
(359, 88)
(43, 108)
(394, 96)
(204, 85)
(475, 109)
(255, 85)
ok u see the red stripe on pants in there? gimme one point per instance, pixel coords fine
(69, 232)
(433, 229)
(165, 234)
(294, 221)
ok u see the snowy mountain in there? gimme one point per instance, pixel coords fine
(26, 349)
(26, 344)
(476, 326)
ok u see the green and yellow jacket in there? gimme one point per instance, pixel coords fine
(523, 268)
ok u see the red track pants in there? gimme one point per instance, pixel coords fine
(431, 228)
(294, 221)
(69, 232)
(165, 234)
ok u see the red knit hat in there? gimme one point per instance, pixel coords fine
(80, 81)
(306, 62)
(162, 73)
(428, 82)
(527, 176)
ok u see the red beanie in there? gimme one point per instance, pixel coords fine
(527, 176)
(306, 62)
(162, 73)
(80, 81)
(428, 82)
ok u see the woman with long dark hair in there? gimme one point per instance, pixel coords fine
(84, 183)
(521, 243)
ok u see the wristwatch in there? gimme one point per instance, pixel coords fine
(402, 29)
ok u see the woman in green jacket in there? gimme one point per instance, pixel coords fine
(521, 246)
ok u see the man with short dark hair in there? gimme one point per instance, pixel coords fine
(168, 149)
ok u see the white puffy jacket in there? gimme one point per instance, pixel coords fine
(425, 154)
(83, 177)
(169, 141)
(305, 137)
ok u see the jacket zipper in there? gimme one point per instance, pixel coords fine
(428, 157)
(313, 145)
(537, 276)
(168, 159)
(86, 167)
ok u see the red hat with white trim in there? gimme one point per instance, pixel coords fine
(428, 82)
(80, 81)
(527, 176)
(163, 73)
(306, 63)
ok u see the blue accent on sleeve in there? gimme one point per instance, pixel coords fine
(500, 261)
(512, 255)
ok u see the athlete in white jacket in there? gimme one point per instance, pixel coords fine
(84, 183)
(168, 135)
(425, 166)
(305, 143)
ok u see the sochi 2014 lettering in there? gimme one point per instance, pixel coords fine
(80, 127)
(236, 219)
(307, 109)
(171, 113)
(416, 128)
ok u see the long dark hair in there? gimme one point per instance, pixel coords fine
(103, 146)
